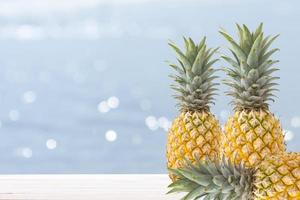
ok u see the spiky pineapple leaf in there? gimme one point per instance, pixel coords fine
(213, 180)
(250, 68)
(195, 75)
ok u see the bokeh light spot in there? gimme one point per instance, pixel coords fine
(289, 135)
(24, 152)
(103, 107)
(152, 123)
(164, 123)
(51, 144)
(111, 135)
(113, 102)
(29, 97)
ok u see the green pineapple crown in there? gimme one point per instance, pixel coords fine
(250, 75)
(213, 181)
(194, 86)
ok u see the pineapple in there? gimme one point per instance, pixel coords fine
(275, 178)
(195, 132)
(253, 132)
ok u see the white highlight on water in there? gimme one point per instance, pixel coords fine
(111, 135)
(51, 144)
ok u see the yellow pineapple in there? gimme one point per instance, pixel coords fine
(275, 178)
(195, 132)
(253, 132)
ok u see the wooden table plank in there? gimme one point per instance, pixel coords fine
(85, 187)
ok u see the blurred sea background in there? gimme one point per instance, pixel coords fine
(84, 85)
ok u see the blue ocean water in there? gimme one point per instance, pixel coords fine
(84, 87)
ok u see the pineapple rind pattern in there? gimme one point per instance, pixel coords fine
(250, 136)
(278, 178)
(193, 135)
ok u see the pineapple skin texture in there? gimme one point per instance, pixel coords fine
(193, 135)
(278, 178)
(250, 136)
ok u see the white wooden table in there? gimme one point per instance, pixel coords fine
(85, 187)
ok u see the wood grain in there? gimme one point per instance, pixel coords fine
(85, 187)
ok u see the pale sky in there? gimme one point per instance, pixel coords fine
(84, 85)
